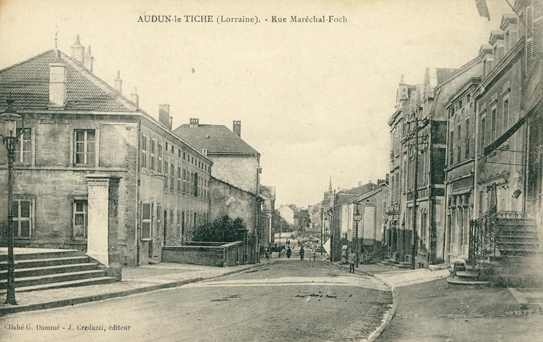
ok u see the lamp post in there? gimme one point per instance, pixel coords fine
(9, 138)
(357, 217)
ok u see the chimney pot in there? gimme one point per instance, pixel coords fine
(78, 51)
(89, 60)
(164, 114)
(237, 128)
(118, 82)
(135, 97)
(194, 122)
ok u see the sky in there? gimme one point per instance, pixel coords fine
(313, 98)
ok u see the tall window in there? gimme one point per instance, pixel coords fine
(179, 178)
(172, 176)
(459, 144)
(467, 140)
(146, 221)
(79, 219)
(23, 148)
(159, 158)
(22, 218)
(483, 134)
(505, 115)
(144, 151)
(152, 157)
(195, 185)
(494, 124)
(85, 152)
(165, 174)
(184, 181)
(451, 148)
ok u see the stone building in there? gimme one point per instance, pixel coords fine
(267, 193)
(93, 170)
(408, 97)
(226, 199)
(341, 215)
(508, 171)
(460, 167)
(235, 164)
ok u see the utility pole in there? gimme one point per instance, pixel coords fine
(322, 228)
(415, 193)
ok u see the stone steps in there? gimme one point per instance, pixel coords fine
(44, 269)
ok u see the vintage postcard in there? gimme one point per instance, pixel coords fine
(328, 170)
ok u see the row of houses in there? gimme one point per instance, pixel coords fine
(345, 217)
(466, 170)
(95, 172)
(467, 144)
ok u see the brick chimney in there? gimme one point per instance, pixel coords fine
(164, 114)
(78, 51)
(135, 97)
(118, 82)
(237, 128)
(496, 40)
(57, 83)
(89, 60)
(194, 122)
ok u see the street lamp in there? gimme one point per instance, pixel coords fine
(9, 138)
(357, 217)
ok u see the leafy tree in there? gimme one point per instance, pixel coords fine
(223, 229)
(302, 219)
(279, 224)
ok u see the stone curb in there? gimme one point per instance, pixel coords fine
(389, 315)
(95, 298)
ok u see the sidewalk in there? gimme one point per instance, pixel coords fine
(135, 280)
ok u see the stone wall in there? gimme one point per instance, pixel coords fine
(226, 199)
(206, 254)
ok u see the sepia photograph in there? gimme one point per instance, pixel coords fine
(327, 170)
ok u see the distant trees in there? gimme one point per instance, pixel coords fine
(223, 229)
(279, 224)
(302, 219)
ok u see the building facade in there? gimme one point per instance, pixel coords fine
(234, 162)
(94, 171)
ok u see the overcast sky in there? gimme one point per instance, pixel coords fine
(313, 98)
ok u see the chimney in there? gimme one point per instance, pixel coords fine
(194, 122)
(118, 82)
(89, 60)
(164, 114)
(57, 82)
(135, 97)
(78, 51)
(237, 128)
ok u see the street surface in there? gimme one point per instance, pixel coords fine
(434, 311)
(288, 300)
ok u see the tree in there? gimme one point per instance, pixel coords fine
(279, 224)
(302, 219)
(223, 229)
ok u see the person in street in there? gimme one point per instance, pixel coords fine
(289, 252)
(302, 253)
(352, 261)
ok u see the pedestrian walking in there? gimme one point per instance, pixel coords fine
(302, 253)
(289, 252)
(352, 261)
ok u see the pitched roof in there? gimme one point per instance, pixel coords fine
(28, 81)
(217, 139)
(444, 74)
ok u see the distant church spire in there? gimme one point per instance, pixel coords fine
(330, 186)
